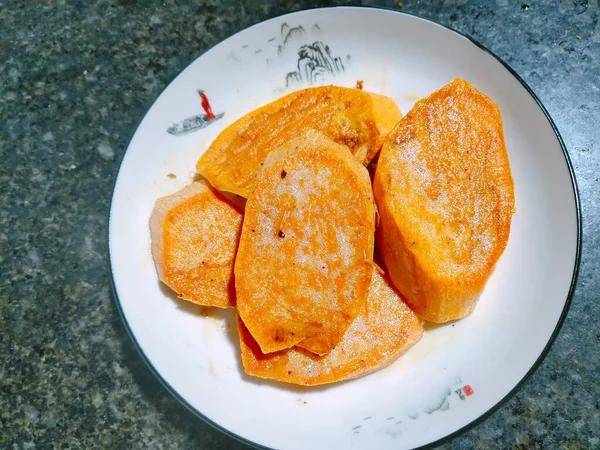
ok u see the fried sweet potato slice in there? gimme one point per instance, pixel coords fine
(195, 233)
(384, 330)
(444, 191)
(304, 260)
(351, 117)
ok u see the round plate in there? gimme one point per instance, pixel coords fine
(458, 372)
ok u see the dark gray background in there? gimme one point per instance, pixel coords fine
(75, 79)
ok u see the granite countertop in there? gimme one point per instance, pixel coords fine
(75, 79)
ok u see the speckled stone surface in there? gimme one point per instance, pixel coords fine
(76, 76)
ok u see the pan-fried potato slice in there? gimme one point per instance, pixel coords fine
(385, 329)
(351, 117)
(445, 196)
(195, 233)
(304, 259)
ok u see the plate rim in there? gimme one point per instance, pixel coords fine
(576, 266)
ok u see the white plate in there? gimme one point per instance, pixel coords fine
(458, 372)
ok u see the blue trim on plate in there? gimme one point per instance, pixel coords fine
(544, 352)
